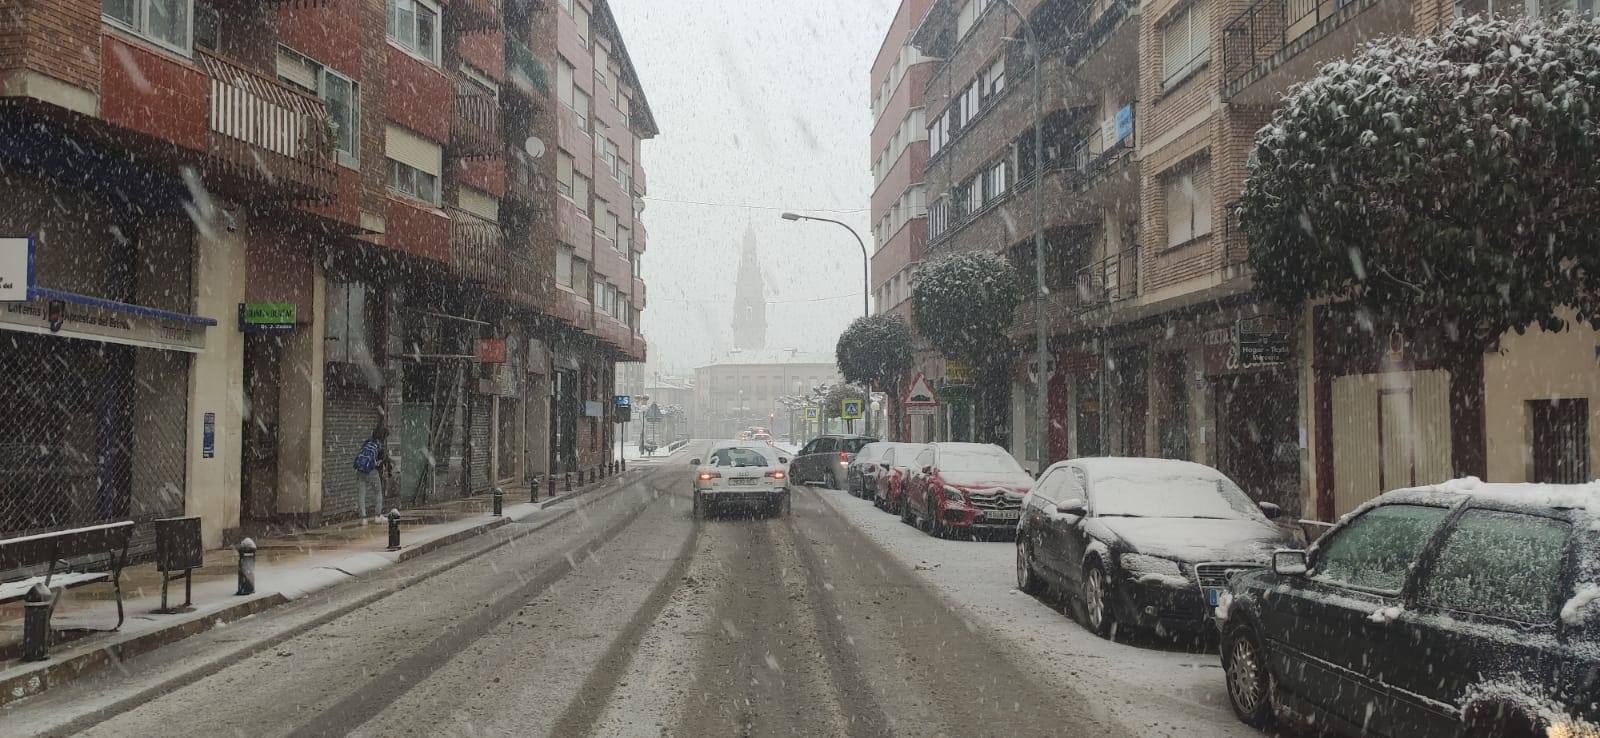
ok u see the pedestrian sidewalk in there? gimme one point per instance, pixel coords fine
(288, 567)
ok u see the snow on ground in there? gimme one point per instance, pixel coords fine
(1168, 688)
(630, 451)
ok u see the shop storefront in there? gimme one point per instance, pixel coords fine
(1251, 370)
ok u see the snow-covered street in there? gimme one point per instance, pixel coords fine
(638, 619)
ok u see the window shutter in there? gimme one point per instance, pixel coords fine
(479, 203)
(297, 70)
(412, 150)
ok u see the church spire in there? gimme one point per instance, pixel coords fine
(749, 298)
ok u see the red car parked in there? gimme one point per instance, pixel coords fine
(889, 485)
(965, 489)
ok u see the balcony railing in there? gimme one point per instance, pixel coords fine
(524, 182)
(1112, 279)
(526, 70)
(1099, 149)
(1266, 27)
(477, 248)
(265, 131)
(475, 124)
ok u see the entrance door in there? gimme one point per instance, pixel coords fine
(1088, 431)
(507, 439)
(1259, 434)
(258, 459)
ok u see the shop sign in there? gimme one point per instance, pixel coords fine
(208, 436)
(593, 409)
(957, 372)
(624, 406)
(492, 350)
(16, 269)
(99, 323)
(267, 316)
(1262, 348)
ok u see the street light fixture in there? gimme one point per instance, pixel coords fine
(866, 306)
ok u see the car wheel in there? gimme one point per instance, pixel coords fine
(1027, 577)
(930, 523)
(1096, 598)
(905, 511)
(1249, 682)
(699, 506)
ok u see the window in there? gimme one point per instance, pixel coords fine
(1188, 204)
(1560, 440)
(412, 182)
(582, 18)
(637, 258)
(1499, 564)
(994, 181)
(580, 193)
(608, 153)
(969, 15)
(625, 176)
(937, 134)
(580, 276)
(1376, 550)
(352, 308)
(166, 22)
(993, 80)
(580, 105)
(938, 217)
(605, 221)
(599, 296)
(602, 62)
(564, 173)
(564, 265)
(339, 93)
(414, 164)
(1184, 42)
(971, 193)
(564, 74)
(567, 6)
(968, 106)
(414, 26)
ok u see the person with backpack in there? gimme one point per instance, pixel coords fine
(371, 462)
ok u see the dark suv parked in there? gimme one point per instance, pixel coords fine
(824, 460)
(1460, 609)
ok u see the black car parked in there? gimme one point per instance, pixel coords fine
(1141, 542)
(1461, 609)
(824, 460)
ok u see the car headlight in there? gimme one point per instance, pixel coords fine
(1138, 565)
(955, 495)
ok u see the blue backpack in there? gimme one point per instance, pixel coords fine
(367, 458)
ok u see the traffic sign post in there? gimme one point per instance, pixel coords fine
(920, 398)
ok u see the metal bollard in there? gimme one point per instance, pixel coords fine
(36, 608)
(394, 530)
(247, 567)
(499, 501)
(533, 488)
(569, 481)
(624, 464)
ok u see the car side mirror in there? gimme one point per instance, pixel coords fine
(1271, 510)
(1289, 563)
(927, 470)
(1074, 506)
(694, 462)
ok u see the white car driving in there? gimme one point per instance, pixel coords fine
(745, 473)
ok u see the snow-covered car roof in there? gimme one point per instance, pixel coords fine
(1101, 466)
(1581, 499)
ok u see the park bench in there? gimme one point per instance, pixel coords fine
(68, 558)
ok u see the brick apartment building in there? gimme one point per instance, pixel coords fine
(1157, 344)
(899, 203)
(262, 227)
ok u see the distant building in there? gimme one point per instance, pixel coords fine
(749, 298)
(745, 388)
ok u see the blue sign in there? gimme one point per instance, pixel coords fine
(623, 401)
(1124, 124)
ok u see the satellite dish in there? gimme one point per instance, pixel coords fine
(534, 147)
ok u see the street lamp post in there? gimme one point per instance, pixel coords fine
(1041, 347)
(866, 305)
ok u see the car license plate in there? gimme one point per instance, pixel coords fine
(1002, 515)
(1211, 595)
(742, 481)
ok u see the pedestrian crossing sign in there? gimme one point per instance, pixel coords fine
(811, 413)
(850, 409)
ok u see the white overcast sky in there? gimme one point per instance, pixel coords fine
(760, 103)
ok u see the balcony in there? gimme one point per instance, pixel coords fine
(477, 249)
(526, 283)
(474, 122)
(526, 71)
(1275, 43)
(473, 16)
(268, 133)
(1102, 150)
(1109, 280)
(525, 184)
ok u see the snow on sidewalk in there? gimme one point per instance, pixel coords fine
(1152, 686)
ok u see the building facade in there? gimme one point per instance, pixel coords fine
(746, 388)
(899, 201)
(1157, 346)
(264, 229)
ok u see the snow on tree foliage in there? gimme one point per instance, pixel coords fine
(1452, 180)
(963, 304)
(875, 350)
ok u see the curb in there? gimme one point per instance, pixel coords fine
(33, 679)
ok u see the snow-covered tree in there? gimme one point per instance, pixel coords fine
(1450, 181)
(963, 304)
(876, 350)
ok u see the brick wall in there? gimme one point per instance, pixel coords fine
(349, 413)
(153, 92)
(58, 38)
(1428, 16)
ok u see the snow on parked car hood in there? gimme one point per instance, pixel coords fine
(1200, 539)
(1018, 482)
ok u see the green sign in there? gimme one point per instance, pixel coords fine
(850, 409)
(266, 316)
